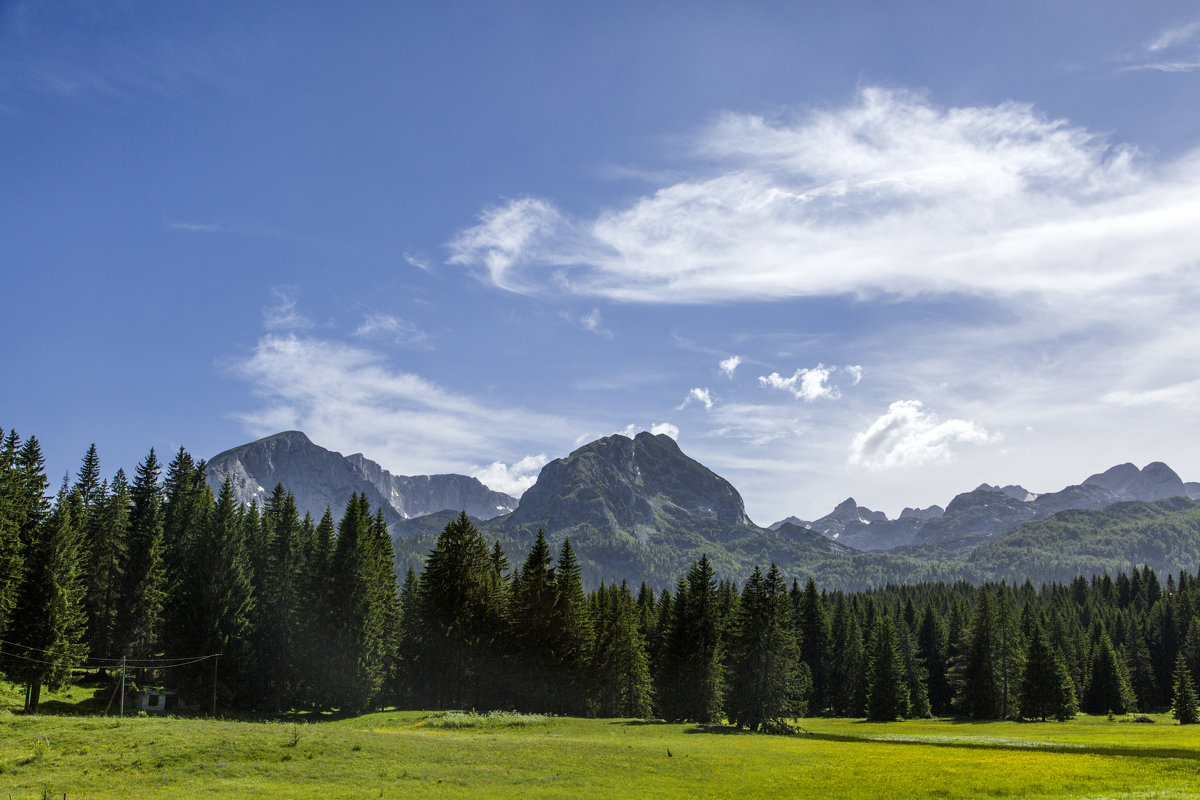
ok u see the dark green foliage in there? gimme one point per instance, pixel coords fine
(692, 671)
(1183, 707)
(620, 670)
(11, 521)
(364, 608)
(887, 683)
(978, 689)
(847, 697)
(105, 531)
(813, 623)
(49, 619)
(462, 613)
(215, 601)
(1108, 684)
(764, 684)
(145, 580)
(1046, 687)
(932, 646)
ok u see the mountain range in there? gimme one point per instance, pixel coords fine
(639, 509)
(320, 478)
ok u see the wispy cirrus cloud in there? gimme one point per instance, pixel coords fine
(283, 315)
(351, 398)
(890, 194)
(698, 395)
(393, 329)
(1175, 49)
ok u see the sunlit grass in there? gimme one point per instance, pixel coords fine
(420, 754)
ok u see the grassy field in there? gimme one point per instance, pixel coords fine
(417, 754)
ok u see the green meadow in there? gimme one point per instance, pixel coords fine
(405, 754)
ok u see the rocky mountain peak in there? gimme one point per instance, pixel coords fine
(320, 478)
(621, 483)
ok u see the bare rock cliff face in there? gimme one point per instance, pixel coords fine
(320, 478)
(620, 483)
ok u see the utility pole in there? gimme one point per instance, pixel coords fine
(122, 686)
(216, 660)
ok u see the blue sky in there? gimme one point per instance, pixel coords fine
(873, 249)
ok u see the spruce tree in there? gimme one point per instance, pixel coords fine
(814, 644)
(1183, 706)
(533, 597)
(106, 531)
(49, 619)
(1108, 685)
(462, 617)
(571, 633)
(692, 676)
(932, 647)
(979, 692)
(764, 685)
(11, 546)
(1046, 687)
(619, 670)
(887, 684)
(145, 580)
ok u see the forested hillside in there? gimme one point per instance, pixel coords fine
(159, 574)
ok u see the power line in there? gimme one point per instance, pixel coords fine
(99, 663)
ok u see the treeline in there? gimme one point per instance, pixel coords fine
(309, 614)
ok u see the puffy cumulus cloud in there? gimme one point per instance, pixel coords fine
(632, 430)
(728, 365)
(511, 479)
(809, 384)
(889, 194)
(698, 395)
(351, 399)
(907, 434)
(855, 372)
(391, 328)
(666, 428)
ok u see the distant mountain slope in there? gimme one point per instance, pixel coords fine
(1164, 534)
(988, 512)
(319, 478)
(641, 510)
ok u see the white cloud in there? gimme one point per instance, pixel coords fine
(805, 384)
(351, 399)
(1184, 395)
(907, 434)
(391, 328)
(283, 316)
(700, 395)
(632, 430)
(729, 365)
(592, 322)
(890, 194)
(855, 372)
(421, 262)
(511, 479)
(665, 428)
(505, 234)
(1174, 36)
(756, 425)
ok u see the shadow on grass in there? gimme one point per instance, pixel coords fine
(1040, 747)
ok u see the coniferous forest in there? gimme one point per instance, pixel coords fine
(159, 575)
